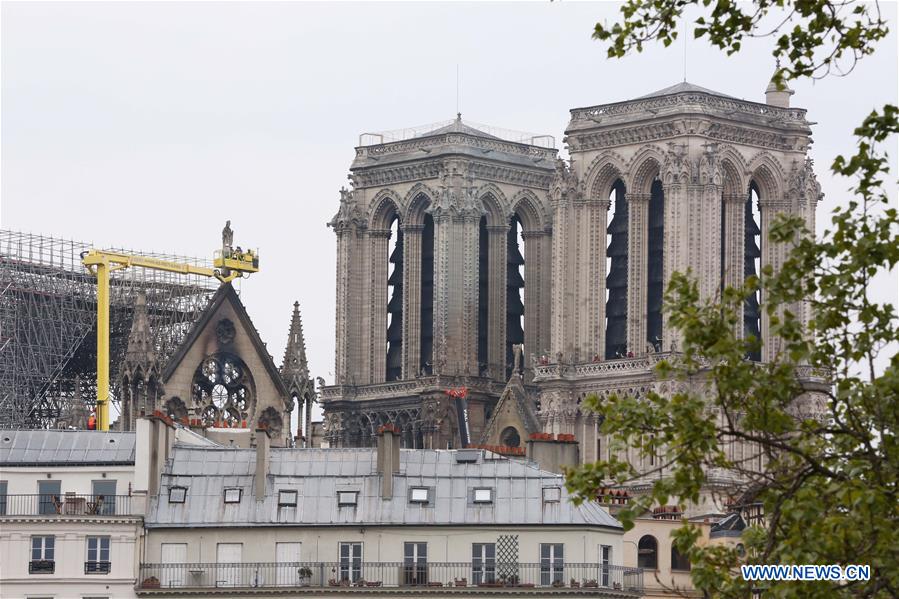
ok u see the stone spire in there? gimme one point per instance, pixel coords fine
(295, 374)
(295, 369)
(140, 352)
(778, 95)
(139, 372)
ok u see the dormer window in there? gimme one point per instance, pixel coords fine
(347, 498)
(287, 498)
(232, 495)
(419, 495)
(177, 494)
(552, 494)
(483, 495)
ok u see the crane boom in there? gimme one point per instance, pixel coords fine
(230, 265)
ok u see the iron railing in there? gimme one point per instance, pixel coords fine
(65, 505)
(355, 574)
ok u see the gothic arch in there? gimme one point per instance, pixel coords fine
(766, 173)
(494, 201)
(527, 206)
(734, 168)
(645, 167)
(415, 209)
(602, 174)
(385, 206)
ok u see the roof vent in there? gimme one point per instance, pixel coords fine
(467, 456)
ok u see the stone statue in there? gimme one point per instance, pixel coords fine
(227, 235)
(517, 351)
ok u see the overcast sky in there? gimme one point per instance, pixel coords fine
(148, 125)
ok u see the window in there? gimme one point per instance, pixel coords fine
(510, 437)
(346, 497)
(289, 572)
(287, 497)
(418, 495)
(350, 562)
(2, 497)
(49, 492)
(97, 556)
(229, 572)
(172, 553)
(679, 561)
(177, 494)
(483, 563)
(605, 571)
(415, 563)
(103, 497)
(648, 553)
(552, 563)
(552, 494)
(483, 495)
(42, 555)
(232, 495)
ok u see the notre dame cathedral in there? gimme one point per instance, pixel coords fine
(485, 287)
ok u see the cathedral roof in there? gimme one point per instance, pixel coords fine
(459, 126)
(681, 88)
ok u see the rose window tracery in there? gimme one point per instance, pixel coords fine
(221, 390)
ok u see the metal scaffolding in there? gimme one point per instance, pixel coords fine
(48, 317)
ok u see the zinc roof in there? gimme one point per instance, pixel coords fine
(66, 448)
(318, 474)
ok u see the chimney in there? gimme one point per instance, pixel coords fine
(263, 443)
(553, 454)
(388, 457)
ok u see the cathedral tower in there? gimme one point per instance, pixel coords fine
(444, 254)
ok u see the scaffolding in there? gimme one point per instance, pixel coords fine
(48, 318)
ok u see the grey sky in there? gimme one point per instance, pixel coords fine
(147, 125)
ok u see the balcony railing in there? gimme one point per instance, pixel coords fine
(97, 567)
(591, 578)
(41, 566)
(65, 505)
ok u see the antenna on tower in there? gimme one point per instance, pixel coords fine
(458, 89)
(685, 50)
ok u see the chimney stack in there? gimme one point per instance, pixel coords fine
(388, 457)
(263, 443)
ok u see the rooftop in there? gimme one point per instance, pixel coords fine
(457, 125)
(66, 448)
(682, 88)
(317, 475)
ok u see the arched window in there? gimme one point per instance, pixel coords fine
(655, 266)
(514, 292)
(648, 553)
(616, 280)
(752, 255)
(426, 339)
(510, 437)
(679, 561)
(223, 390)
(483, 293)
(395, 304)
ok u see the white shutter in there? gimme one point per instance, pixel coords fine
(176, 554)
(228, 572)
(288, 553)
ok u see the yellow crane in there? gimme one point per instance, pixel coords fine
(229, 264)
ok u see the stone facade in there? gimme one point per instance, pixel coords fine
(684, 178)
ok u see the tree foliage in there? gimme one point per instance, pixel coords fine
(829, 483)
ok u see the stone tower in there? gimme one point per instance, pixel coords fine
(683, 178)
(295, 374)
(441, 232)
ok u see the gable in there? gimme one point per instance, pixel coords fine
(514, 409)
(225, 337)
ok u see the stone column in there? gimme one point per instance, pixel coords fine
(563, 279)
(593, 297)
(411, 300)
(537, 300)
(350, 367)
(379, 240)
(638, 208)
(496, 307)
(734, 246)
(774, 255)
